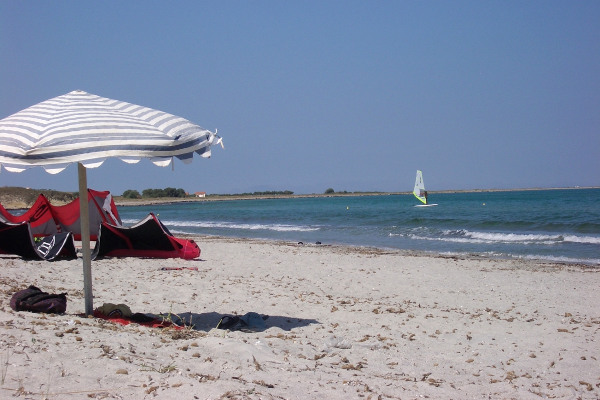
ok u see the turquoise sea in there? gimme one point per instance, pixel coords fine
(553, 225)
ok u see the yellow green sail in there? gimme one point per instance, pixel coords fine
(419, 190)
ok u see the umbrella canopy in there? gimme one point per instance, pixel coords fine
(83, 128)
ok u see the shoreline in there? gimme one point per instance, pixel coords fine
(372, 251)
(343, 323)
(577, 264)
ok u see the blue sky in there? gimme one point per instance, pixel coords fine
(310, 95)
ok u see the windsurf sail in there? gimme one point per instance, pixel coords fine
(419, 190)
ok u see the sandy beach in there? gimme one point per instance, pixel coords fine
(343, 323)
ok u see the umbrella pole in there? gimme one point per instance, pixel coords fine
(85, 239)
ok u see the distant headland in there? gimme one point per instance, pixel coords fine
(20, 197)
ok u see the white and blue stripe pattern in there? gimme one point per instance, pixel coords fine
(85, 128)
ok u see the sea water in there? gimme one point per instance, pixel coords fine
(553, 225)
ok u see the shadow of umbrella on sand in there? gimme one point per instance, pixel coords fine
(86, 129)
(209, 320)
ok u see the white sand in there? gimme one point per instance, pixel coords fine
(344, 324)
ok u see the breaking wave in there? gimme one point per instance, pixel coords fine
(466, 236)
(515, 238)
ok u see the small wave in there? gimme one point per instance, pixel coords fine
(451, 239)
(582, 239)
(465, 236)
(236, 226)
(513, 237)
(531, 238)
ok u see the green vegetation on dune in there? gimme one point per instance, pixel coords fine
(167, 192)
(20, 197)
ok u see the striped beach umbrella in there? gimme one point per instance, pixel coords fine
(86, 129)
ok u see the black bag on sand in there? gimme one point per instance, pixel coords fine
(33, 299)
